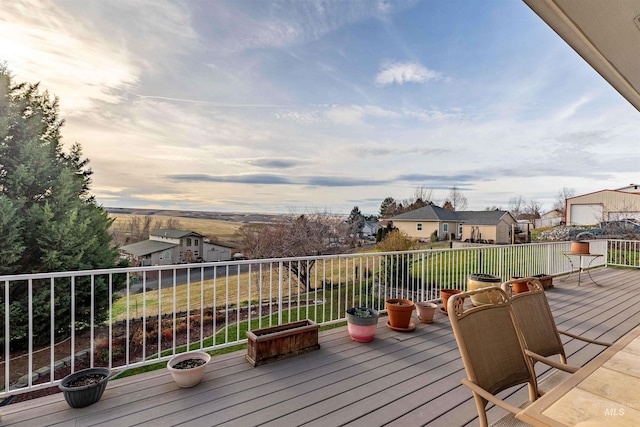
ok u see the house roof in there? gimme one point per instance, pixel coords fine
(606, 34)
(174, 234)
(427, 213)
(482, 217)
(436, 213)
(147, 247)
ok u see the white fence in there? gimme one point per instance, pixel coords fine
(127, 318)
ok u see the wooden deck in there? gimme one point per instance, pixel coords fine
(398, 379)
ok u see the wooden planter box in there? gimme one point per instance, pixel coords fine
(280, 342)
(545, 279)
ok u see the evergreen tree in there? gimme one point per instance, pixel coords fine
(48, 219)
(388, 207)
(355, 221)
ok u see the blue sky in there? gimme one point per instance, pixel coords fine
(293, 106)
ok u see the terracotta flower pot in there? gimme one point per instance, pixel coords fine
(426, 311)
(580, 247)
(399, 311)
(519, 287)
(445, 294)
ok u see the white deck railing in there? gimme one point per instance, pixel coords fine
(160, 310)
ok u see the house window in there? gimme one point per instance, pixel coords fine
(167, 255)
(460, 230)
(419, 226)
(196, 242)
(188, 241)
(445, 228)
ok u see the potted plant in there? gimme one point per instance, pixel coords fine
(520, 286)
(362, 323)
(84, 387)
(426, 311)
(400, 311)
(445, 294)
(477, 281)
(187, 369)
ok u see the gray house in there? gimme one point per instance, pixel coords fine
(166, 247)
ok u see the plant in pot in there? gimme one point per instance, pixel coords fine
(521, 286)
(187, 369)
(477, 281)
(445, 294)
(400, 311)
(426, 311)
(362, 323)
(85, 387)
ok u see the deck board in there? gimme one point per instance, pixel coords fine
(398, 379)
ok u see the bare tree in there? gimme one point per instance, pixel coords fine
(457, 200)
(293, 236)
(138, 228)
(171, 224)
(531, 210)
(516, 206)
(423, 193)
(561, 199)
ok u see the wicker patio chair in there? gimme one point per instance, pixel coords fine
(535, 321)
(492, 349)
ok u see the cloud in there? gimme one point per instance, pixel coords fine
(318, 181)
(385, 150)
(570, 110)
(459, 179)
(356, 114)
(237, 179)
(275, 163)
(280, 24)
(405, 72)
(327, 181)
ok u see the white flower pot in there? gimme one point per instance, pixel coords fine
(192, 376)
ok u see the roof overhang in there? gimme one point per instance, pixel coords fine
(606, 34)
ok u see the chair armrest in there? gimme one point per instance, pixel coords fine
(550, 362)
(490, 397)
(569, 334)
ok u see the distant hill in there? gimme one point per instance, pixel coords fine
(242, 217)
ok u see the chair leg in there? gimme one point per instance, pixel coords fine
(481, 405)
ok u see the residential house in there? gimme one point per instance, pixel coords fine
(549, 219)
(604, 205)
(491, 226)
(371, 228)
(166, 247)
(421, 223)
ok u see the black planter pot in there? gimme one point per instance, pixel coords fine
(79, 397)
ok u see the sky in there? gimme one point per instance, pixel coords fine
(307, 105)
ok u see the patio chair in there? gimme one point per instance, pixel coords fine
(535, 321)
(492, 349)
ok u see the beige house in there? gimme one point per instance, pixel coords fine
(491, 226)
(605, 205)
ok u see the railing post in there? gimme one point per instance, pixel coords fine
(280, 291)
